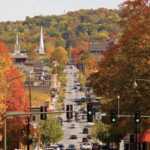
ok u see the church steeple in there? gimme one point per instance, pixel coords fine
(41, 49)
(16, 39)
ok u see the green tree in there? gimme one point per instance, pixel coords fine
(51, 130)
(81, 79)
(63, 79)
(100, 131)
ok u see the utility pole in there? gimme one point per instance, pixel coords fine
(28, 132)
(5, 143)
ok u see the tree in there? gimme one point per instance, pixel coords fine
(33, 55)
(100, 131)
(51, 130)
(124, 62)
(60, 54)
(16, 99)
(63, 79)
(81, 79)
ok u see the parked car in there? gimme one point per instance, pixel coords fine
(85, 130)
(70, 91)
(85, 139)
(76, 100)
(75, 87)
(73, 137)
(72, 146)
(89, 136)
(61, 146)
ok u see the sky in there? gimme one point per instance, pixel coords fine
(14, 10)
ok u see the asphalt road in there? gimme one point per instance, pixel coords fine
(80, 124)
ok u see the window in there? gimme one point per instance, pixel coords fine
(47, 78)
(97, 51)
(47, 83)
(91, 45)
(107, 45)
(101, 52)
(101, 45)
(38, 67)
(93, 51)
(97, 45)
(94, 45)
(38, 74)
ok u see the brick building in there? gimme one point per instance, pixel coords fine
(99, 48)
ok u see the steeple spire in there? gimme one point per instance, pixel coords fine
(16, 39)
(41, 49)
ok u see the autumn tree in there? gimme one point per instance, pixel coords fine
(124, 62)
(60, 54)
(16, 99)
(33, 55)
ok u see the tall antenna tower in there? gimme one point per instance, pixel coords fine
(64, 11)
(34, 10)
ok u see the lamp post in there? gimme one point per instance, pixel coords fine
(118, 106)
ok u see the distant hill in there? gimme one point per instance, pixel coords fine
(65, 30)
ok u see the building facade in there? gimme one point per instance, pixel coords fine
(99, 48)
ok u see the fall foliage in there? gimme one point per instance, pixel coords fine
(16, 99)
(122, 64)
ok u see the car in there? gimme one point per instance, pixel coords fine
(70, 91)
(55, 147)
(89, 136)
(83, 99)
(75, 86)
(73, 126)
(72, 146)
(85, 139)
(61, 146)
(73, 137)
(86, 146)
(85, 130)
(112, 149)
(69, 120)
(76, 100)
(49, 149)
(70, 149)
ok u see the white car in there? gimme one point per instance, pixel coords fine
(70, 91)
(73, 126)
(85, 146)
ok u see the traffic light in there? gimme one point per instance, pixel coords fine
(113, 116)
(69, 114)
(137, 116)
(89, 112)
(43, 109)
(34, 135)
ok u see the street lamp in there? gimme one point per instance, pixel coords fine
(118, 105)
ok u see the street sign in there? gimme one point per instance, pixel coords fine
(98, 115)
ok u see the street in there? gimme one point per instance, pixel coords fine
(76, 94)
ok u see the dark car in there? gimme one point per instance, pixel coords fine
(83, 99)
(69, 120)
(61, 146)
(85, 139)
(76, 100)
(89, 136)
(72, 146)
(73, 137)
(85, 130)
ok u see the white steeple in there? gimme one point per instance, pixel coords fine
(16, 39)
(41, 49)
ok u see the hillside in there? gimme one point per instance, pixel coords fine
(65, 30)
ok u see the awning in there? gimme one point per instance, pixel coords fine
(144, 137)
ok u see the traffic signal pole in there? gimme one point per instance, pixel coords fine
(136, 137)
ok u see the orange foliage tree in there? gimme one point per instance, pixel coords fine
(16, 98)
(121, 64)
